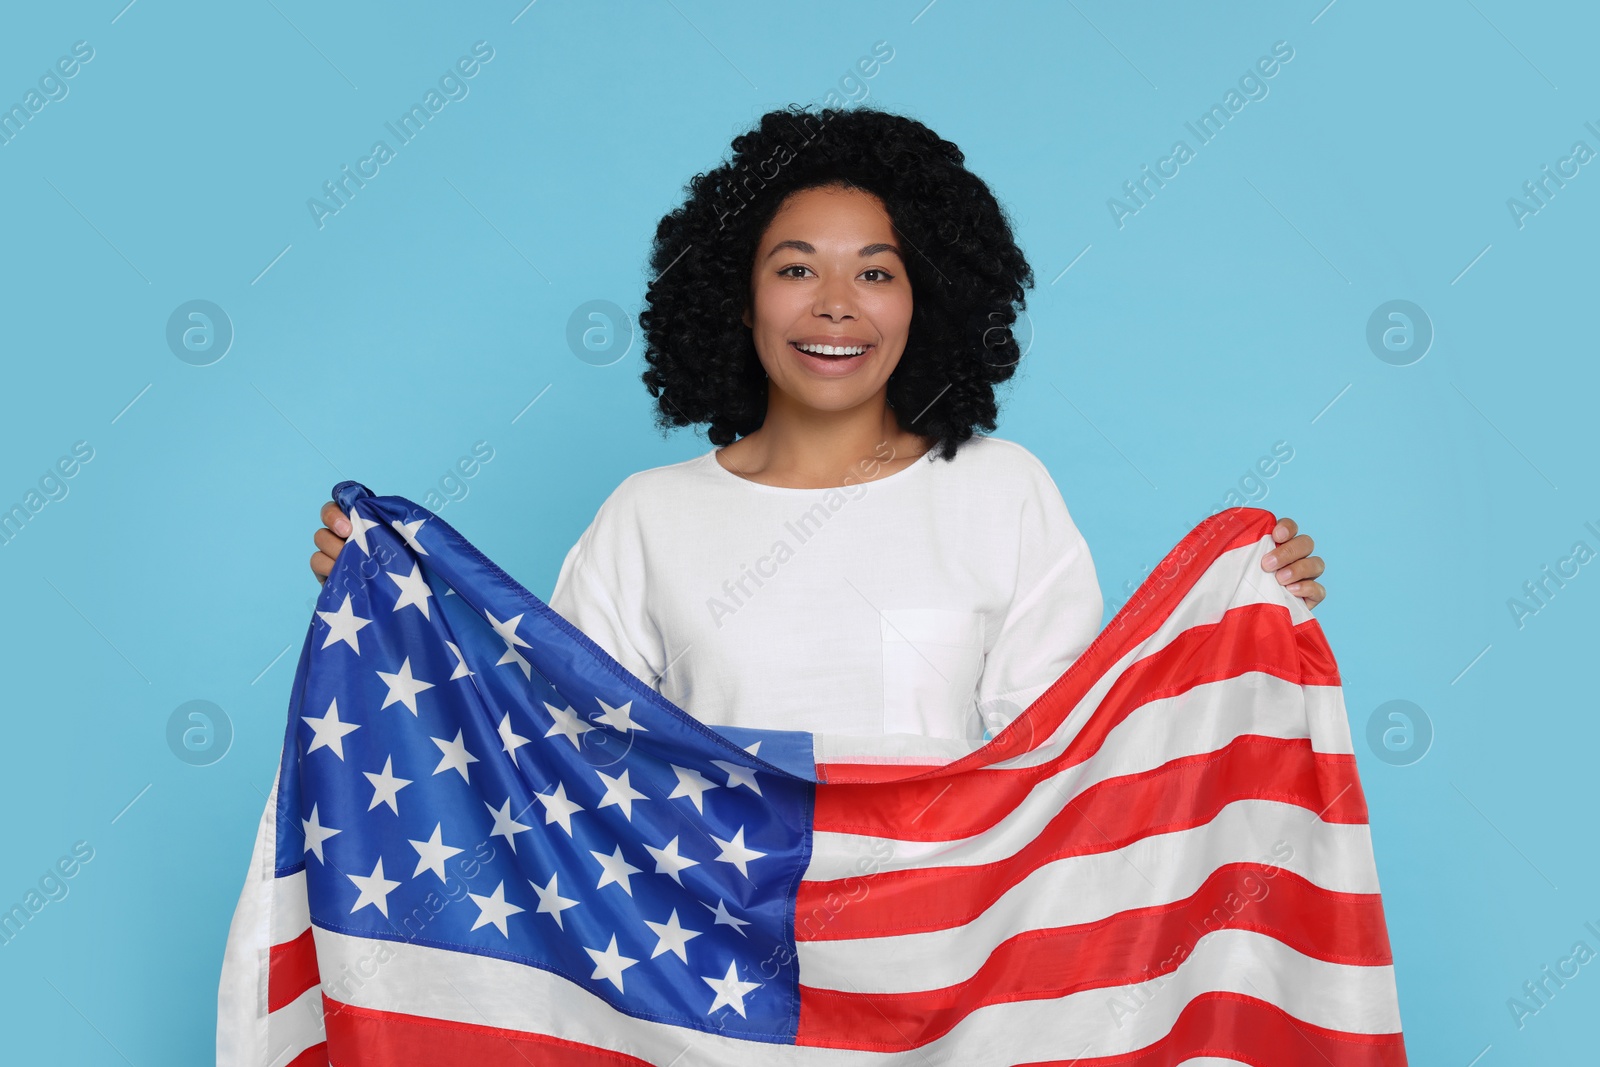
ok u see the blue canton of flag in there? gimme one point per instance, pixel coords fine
(438, 790)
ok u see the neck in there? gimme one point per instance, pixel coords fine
(805, 448)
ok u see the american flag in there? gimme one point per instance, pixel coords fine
(489, 844)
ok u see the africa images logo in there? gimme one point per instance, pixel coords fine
(452, 86)
(1252, 86)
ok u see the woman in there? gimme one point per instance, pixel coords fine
(835, 305)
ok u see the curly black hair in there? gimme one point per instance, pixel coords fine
(968, 277)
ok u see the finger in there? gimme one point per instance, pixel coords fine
(321, 565)
(331, 546)
(1310, 567)
(1311, 592)
(1285, 529)
(335, 520)
(1286, 553)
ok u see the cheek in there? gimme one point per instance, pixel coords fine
(891, 315)
(774, 308)
(778, 316)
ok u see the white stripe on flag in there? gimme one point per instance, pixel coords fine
(485, 991)
(1198, 722)
(295, 1027)
(837, 855)
(1079, 889)
(271, 911)
(291, 910)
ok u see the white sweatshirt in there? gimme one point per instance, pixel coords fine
(939, 600)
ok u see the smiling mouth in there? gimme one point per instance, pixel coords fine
(832, 352)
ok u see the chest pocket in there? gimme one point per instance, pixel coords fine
(932, 660)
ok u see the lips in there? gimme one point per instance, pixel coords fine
(834, 365)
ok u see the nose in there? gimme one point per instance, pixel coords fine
(835, 299)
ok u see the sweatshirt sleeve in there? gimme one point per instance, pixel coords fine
(1055, 611)
(600, 586)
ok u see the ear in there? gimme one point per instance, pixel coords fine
(745, 318)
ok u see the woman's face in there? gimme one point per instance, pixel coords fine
(828, 271)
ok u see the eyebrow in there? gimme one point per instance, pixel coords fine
(810, 250)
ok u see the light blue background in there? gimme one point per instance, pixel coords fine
(1223, 317)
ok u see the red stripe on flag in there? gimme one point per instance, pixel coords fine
(1252, 1031)
(291, 970)
(1139, 945)
(852, 773)
(315, 1056)
(1226, 1025)
(365, 1037)
(857, 799)
(1185, 793)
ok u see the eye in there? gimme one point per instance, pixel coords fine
(884, 275)
(784, 272)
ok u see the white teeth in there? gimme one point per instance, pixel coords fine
(832, 350)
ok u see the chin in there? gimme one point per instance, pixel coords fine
(834, 396)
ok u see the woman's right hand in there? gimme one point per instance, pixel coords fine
(330, 540)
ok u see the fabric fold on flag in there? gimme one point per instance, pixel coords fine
(488, 843)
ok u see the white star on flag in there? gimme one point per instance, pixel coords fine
(551, 901)
(672, 937)
(343, 625)
(557, 808)
(726, 919)
(614, 868)
(618, 718)
(375, 889)
(413, 590)
(386, 787)
(403, 687)
(316, 834)
(432, 853)
(505, 826)
(461, 670)
(511, 655)
(455, 756)
(508, 633)
(736, 853)
(669, 862)
(691, 784)
(507, 629)
(610, 964)
(494, 909)
(620, 793)
(738, 775)
(329, 731)
(510, 740)
(358, 530)
(408, 530)
(730, 991)
(567, 724)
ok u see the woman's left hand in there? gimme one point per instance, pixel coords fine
(1295, 564)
